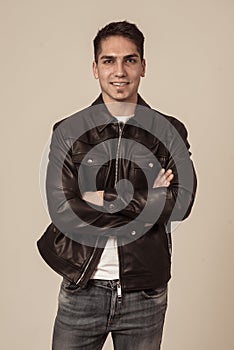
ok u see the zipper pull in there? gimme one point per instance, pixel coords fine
(121, 126)
(119, 292)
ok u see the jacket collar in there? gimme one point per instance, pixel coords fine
(108, 118)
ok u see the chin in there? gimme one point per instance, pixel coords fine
(123, 98)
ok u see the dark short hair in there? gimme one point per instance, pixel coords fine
(123, 28)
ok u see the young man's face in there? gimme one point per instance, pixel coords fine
(119, 69)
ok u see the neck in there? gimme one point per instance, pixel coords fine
(120, 108)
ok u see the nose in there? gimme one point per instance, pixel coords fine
(120, 71)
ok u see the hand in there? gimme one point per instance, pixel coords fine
(101, 194)
(163, 179)
(95, 197)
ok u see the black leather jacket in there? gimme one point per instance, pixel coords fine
(139, 216)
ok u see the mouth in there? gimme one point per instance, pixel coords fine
(119, 84)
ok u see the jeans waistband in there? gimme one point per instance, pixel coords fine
(104, 283)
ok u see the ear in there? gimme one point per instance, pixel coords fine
(95, 70)
(143, 63)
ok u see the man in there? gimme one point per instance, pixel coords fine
(119, 173)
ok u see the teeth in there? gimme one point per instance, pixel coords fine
(119, 84)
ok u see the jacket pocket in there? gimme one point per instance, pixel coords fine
(58, 247)
(145, 171)
(92, 170)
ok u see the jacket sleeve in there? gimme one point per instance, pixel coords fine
(68, 211)
(162, 204)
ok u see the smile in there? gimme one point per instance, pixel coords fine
(120, 84)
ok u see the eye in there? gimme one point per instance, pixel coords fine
(131, 60)
(107, 61)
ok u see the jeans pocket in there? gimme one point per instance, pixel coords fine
(69, 287)
(155, 293)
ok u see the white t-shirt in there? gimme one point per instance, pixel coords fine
(108, 266)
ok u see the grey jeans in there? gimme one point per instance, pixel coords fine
(86, 316)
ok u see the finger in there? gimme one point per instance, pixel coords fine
(168, 181)
(168, 172)
(160, 174)
(158, 180)
(169, 177)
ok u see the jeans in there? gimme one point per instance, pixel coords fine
(86, 316)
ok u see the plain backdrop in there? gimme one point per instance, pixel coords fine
(46, 57)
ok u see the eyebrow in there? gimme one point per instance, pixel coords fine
(105, 57)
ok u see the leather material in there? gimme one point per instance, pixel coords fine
(145, 258)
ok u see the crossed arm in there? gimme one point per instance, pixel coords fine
(163, 179)
(70, 211)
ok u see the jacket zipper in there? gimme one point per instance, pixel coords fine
(117, 153)
(169, 240)
(119, 288)
(88, 264)
(92, 255)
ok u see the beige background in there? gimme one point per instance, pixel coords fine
(46, 55)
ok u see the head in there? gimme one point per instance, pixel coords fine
(124, 29)
(118, 61)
